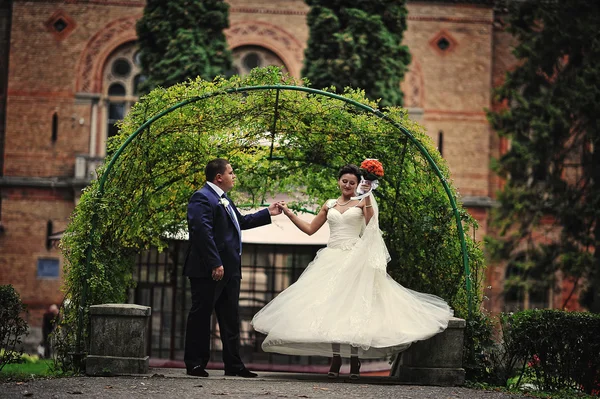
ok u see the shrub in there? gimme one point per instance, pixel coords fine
(486, 360)
(562, 348)
(554, 350)
(506, 355)
(12, 326)
(478, 340)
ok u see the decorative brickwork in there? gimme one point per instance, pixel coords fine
(98, 48)
(443, 43)
(60, 25)
(270, 36)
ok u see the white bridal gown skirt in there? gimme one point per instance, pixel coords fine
(340, 298)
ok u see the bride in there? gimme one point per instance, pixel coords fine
(344, 303)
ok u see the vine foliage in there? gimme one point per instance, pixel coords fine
(279, 141)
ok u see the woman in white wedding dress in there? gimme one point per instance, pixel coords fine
(345, 304)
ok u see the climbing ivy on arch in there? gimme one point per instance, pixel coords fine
(280, 138)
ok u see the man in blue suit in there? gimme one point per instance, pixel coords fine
(213, 266)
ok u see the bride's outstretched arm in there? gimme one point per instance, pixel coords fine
(368, 209)
(368, 206)
(306, 227)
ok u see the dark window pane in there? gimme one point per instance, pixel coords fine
(538, 296)
(121, 67)
(47, 268)
(59, 25)
(251, 60)
(513, 294)
(139, 79)
(137, 58)
(116, 111)
(112, 130)
(116, 89)
(54, 127)
(443, 44)
(49, 229)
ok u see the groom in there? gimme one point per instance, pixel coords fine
(213, 266)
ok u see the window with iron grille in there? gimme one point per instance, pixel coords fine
(267, 270)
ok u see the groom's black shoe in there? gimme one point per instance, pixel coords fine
(241, 373)
(197, 371)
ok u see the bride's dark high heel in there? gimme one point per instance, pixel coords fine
(354, 368)
(336, 364)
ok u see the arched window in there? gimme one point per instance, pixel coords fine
(121, 78)
(246, 58)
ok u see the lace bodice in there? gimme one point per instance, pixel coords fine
(345, 228)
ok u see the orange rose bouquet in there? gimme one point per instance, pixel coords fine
(372, 169)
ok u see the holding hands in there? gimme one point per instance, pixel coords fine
(283, 207)
(275, 209)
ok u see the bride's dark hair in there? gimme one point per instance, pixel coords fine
(350, 169)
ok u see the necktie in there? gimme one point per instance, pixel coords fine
(234, 218)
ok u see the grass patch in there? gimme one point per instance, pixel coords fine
(27, 370)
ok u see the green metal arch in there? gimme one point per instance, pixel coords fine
(364, 107)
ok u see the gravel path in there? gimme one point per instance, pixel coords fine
(174, 383)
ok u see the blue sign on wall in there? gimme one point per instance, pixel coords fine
(47, 268)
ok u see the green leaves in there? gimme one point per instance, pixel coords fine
(553, 164)
(297, 149)
(561, 348)
(12, 325)
(358, 45)
(180, 40)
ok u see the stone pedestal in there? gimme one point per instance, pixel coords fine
(118, 339)
(435, 361)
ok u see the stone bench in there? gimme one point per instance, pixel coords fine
(435, 361)
(118, 339)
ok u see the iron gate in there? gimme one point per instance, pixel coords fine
(267, 270)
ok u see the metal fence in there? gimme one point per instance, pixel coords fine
(267, 270)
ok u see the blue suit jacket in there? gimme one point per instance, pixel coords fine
(214, 239)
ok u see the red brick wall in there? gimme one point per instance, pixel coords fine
(47, 69)
(25, 216)
(42, 81)
(5, 22)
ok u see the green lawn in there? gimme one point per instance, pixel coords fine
(19, 371)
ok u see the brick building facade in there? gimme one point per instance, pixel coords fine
(61, 89)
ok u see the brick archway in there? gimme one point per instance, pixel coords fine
(98, 49)
(289, 49)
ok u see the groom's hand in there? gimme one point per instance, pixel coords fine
(274, 209)
(217, 273)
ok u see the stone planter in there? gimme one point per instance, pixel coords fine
(435, 361)
(118, 339)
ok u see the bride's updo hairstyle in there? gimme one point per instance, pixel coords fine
(350, 169)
